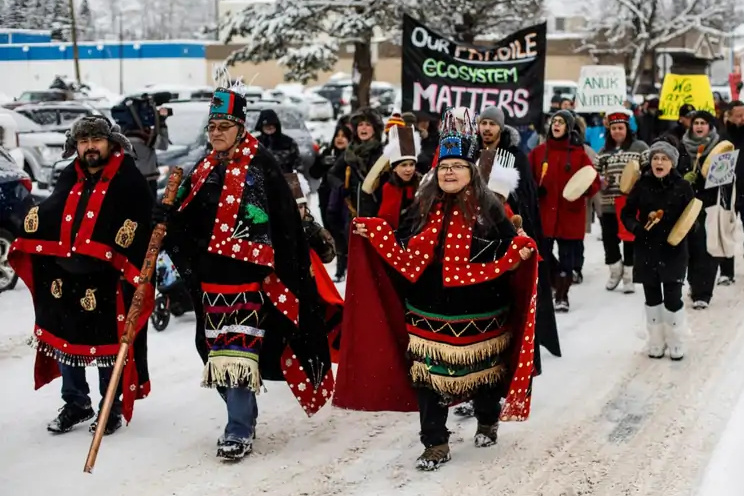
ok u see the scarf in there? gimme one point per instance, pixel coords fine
(358, 155)
(691, 143)
(392, 201)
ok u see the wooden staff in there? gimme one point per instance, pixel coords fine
(148, 268)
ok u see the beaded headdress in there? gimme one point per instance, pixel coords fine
(228, 101)
(458, 135)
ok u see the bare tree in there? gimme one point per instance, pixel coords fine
(636, 29)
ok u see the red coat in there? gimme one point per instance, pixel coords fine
(561, 219)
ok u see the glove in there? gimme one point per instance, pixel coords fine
(161, 214)
(691, 177)
(541, 191)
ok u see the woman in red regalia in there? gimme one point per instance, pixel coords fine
(453, 320)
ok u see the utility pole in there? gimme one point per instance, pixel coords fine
(75, 53)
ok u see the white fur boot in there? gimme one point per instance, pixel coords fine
(628, 286)
(616, 275)
(655, 327)
(676, 332)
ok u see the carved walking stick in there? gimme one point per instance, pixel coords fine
(148, 267)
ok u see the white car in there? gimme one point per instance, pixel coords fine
(311, 105)
(178, 92)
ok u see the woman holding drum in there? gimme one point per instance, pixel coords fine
(566, 178)
(620, 154)
(659, 211)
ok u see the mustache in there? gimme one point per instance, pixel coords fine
(91, 151)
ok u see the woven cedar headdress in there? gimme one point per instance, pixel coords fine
(457, 136)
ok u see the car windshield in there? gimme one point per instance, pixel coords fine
(289, 118)
(39, 96)
(25, 125)
(186, 125)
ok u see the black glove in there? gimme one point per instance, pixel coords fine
(541, 191)
(161, 214)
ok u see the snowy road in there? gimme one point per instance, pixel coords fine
(606, 421)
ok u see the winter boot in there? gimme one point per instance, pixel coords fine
(69, 416)
(726, 281)
(464, 410)
(113, 424)
(433, 457)
(577, 277)
(486, 435)
(616, 275)
(628, 286)
(341, 263)
(561, 292)
(233, 450)
(676, 331)
(655, 329)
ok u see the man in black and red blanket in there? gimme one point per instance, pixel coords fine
(80, 255)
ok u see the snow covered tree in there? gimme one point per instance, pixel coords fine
(60, 20)
(85, 27)
(305, 37)
(636, 29)
(466, 20)
(18, 13)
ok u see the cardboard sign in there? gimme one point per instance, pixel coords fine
(680, 89)
(722, 169)
(601, 88)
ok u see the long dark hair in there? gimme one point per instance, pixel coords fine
(474, 195)
(625, 145)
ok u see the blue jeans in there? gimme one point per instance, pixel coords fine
(75, 389)
(242, 412)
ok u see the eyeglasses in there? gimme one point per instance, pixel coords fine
(451, 168)
(223, 128)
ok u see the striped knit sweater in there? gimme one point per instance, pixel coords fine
(610, 165)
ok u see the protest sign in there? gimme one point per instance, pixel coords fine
(601, 88)
(722, 169)
(439, 73)
(679, 89)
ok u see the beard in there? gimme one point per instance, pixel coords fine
(491, 137)
(93, 159)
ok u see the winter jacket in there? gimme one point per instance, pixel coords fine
(560, 218)
(144, 155)
(395, 199)
(610, 166)
(655, 260)
(282, 147)
(735, 134)
(709, 196)
(319, 239)
(350, 170)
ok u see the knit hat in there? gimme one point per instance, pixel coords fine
(686, 110)
(94, 126)
(494, 114)
(403, 144)
(567, 117)
(229, 105)
(706, 116)
(409, 118)
(457, 139)
(393, 121)
(666, 149)
(620, 116)
(299, 186)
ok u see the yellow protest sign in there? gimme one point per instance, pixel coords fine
(679, 89)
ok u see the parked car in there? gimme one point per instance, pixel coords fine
(333, 91)
(312, 106)
(57, 116)
(36, 96)
(41, 149)
(15, 201)
(189, 141)
(177, 92)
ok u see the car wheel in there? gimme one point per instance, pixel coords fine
(160, 315)
(8, 277)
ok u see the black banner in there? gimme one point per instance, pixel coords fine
(440, 73)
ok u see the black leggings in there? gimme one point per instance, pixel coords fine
(671, 295)
(611, 241)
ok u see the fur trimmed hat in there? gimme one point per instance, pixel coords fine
(95, 126)
(403, 144)
(367, 114)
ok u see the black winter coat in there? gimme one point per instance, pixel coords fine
(656, 261)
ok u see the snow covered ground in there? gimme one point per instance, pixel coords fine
(606, 421)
